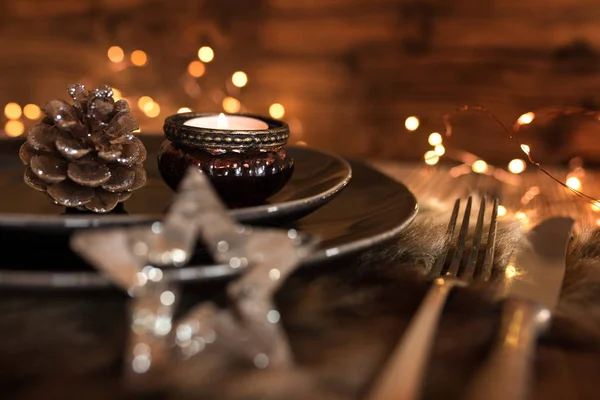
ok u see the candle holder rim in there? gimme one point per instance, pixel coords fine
(274, 125)
(274, 137)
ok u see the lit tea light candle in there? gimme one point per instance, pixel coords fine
(228, 122)
(243, 155)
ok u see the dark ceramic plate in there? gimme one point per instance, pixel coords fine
(371, 210)
(317, 178)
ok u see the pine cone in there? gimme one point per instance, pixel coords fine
(85, 155)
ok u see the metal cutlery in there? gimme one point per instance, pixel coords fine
(403, 375)
(531, 287)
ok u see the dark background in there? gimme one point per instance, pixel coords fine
(348, 72)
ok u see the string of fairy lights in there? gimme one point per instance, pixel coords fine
(470, 163)
(17, 116)
(479, 166)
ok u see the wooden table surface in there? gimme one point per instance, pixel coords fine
(343, 319)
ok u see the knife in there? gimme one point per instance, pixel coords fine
(531, 289)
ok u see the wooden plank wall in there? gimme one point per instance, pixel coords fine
(348, 71)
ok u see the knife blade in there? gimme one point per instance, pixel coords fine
(531, 289)
(537, 271)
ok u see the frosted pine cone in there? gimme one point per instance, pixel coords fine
(85, 155)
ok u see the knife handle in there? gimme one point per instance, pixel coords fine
(506, 373)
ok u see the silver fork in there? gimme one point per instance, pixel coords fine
(402, 377)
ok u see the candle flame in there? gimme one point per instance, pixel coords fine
(222, 122)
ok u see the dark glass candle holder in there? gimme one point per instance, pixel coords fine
(245, 166)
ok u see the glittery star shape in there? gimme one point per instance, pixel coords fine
(133, 257)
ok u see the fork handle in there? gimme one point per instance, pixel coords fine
(403, 375)
(506, 373)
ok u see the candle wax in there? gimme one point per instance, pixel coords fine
(228, 122)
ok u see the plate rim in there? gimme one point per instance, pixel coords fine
(245, 214)
(96, 280)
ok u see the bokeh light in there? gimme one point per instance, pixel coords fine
(412, 123)
(152, 110)
(139, 58)
(14, 128)
(116, 54)
(439, 150)
(32, 111)
(526, 118)
(196, 69)
(12, 111)
(144, 102)
(521, 216)
(117, 95)
(479, 166)
(510, 271)
(239, 79)
(231, 105)
(206, 54)
(434, 139)
(574, 183)
(517, 166)
(276, 111)
(431, 158)
(501, 211)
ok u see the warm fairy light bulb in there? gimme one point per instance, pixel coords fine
(574, 183)
(196, 69)
(501, 211)
(139, 58)
(184, 110)
(239, 79)
(521, 216)
(231, 105)
(412, 123)
(435, 139)
(222, 122)
(32, 111)
(116, 54)
(431, 158)
(12, 111)
(510, 271)
(14, 128)
(152, 110)
(526, 118)
(144, 102)
(479, 166)
(206, 54)
(516, 166)
(526, 149)
(439, 150)
(276, 111)
(596, 206)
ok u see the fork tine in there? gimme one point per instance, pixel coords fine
(488, 259)
(462, 241)
(436, 270)
(469, 269)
